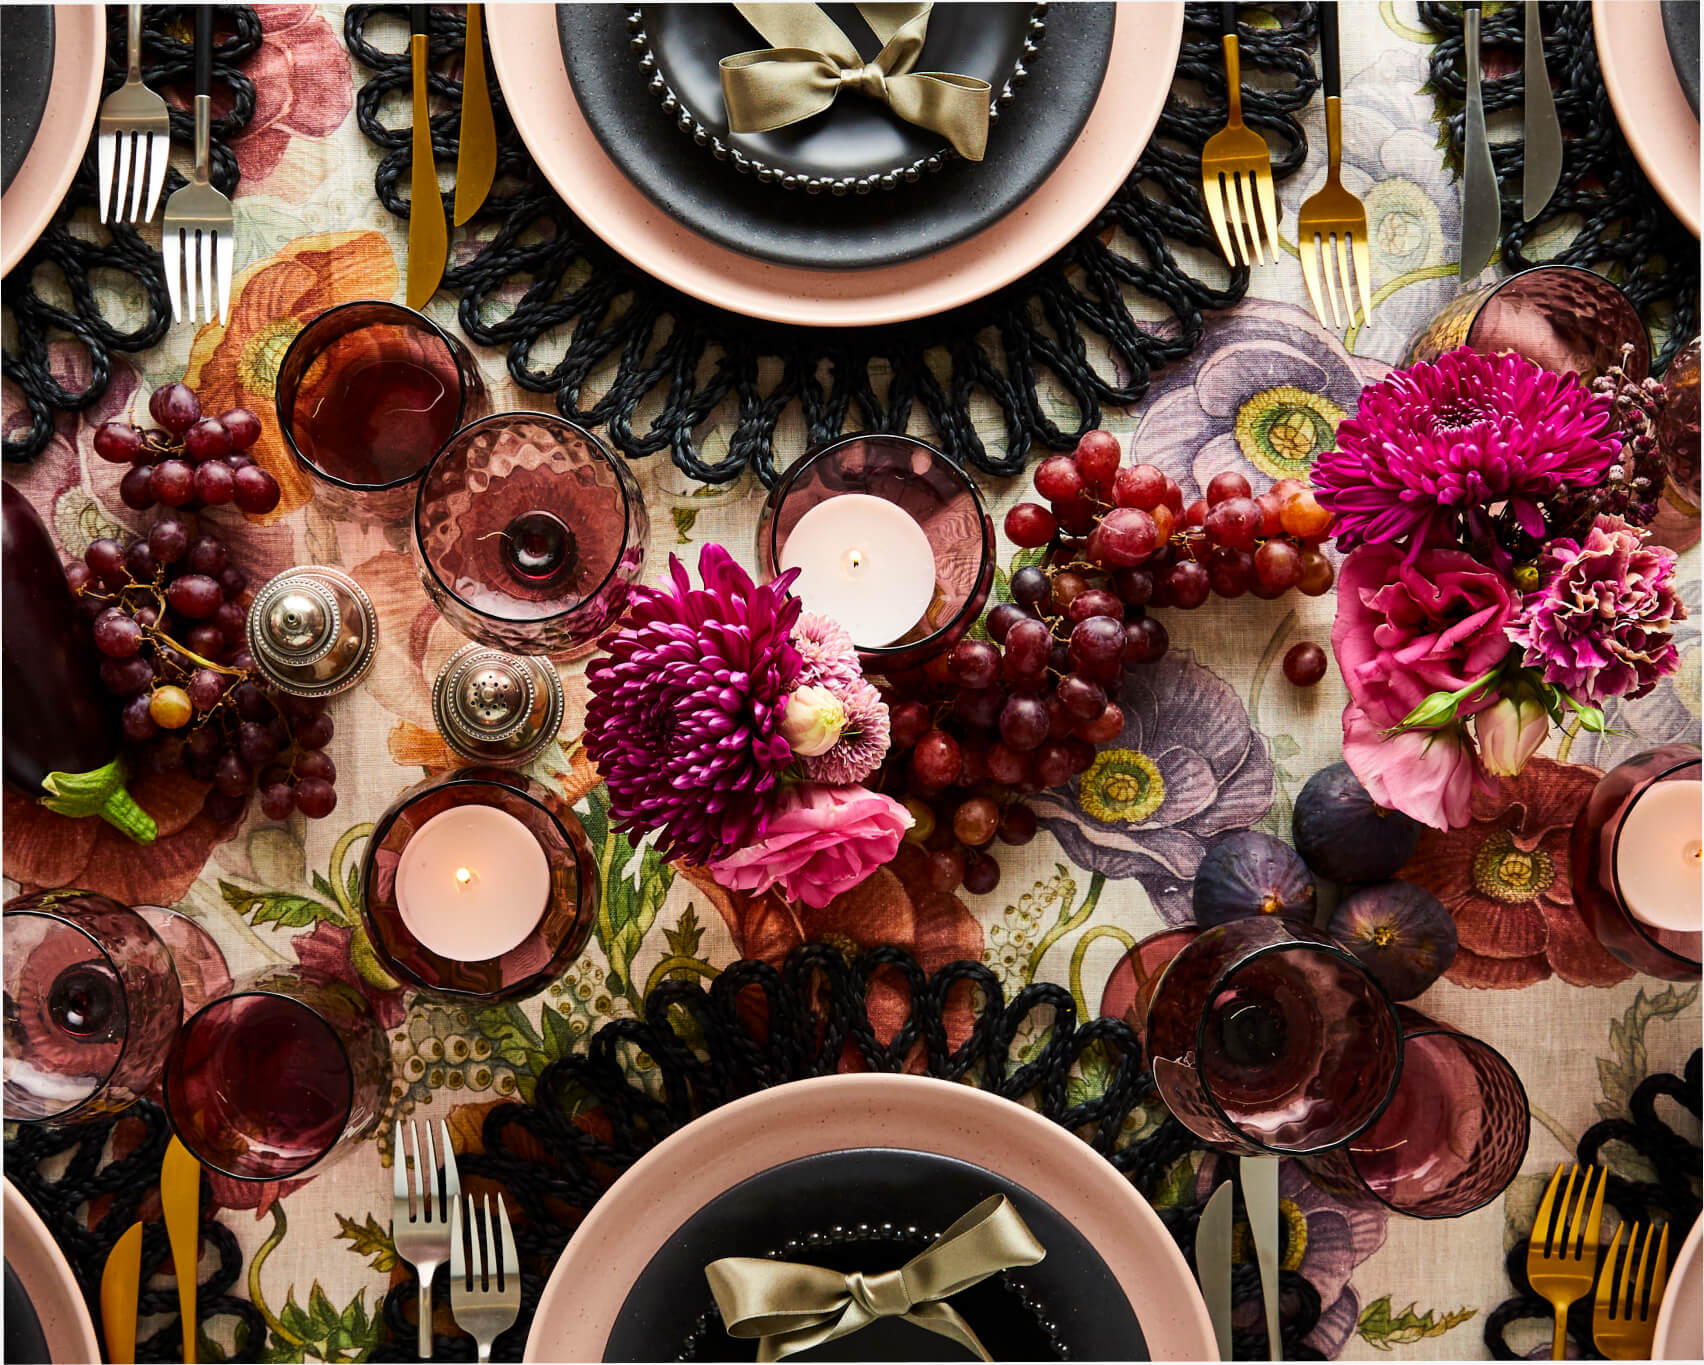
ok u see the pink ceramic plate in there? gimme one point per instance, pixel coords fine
(1680, 1323)
(535, 84)
(41, 1266)
(79, 60)
(1651, 107)
(835, 1113)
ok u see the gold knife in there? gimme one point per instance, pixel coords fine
(180, 1196)
(476, 152)
(121, 1283)
(428, 237)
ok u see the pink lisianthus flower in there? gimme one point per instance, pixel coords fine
(820, 841)
(1430, 775)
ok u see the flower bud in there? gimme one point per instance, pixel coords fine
(1509, 733)
(813, 721)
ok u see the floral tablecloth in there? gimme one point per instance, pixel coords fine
(1224, 740)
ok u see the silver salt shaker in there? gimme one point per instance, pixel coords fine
(313, 631)
(494, 707)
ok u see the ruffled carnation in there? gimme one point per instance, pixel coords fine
(685, 712)
(863, 741)
(1433, 448)
(1600, 624)
(820, 842)
(827, 656)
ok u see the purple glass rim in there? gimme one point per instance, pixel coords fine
(1312, 945)
(621, 483)
(1634, 922)
(873, 654)
(405, 316)
(348, 1076)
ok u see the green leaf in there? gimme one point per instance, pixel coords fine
(1285, 746)
(684, 517)
(1382, 1329)
(1621, 1071)
(356, 895)
(1093, 1074)
(511, 1035)
(327, 891)
(684, 938)
(558, 1033)
(294, 1319)
(370, 1240)
(1177, 1185)
(278, 907)
(635, 884)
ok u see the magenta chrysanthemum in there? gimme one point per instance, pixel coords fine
(827, 656)
(1434, 447)
(685, 714)
(1601, 622)
(863, 743)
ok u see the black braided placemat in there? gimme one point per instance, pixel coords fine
(690, 357)
(1614, 221)
(168, 54)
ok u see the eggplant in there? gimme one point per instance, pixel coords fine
(58, 726)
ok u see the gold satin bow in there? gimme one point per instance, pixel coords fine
(810, 61)
(794, 1307)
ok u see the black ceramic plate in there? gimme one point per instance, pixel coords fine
(23, 1338)
(26, 71)
(856, 145)
(1680, 27)
(1072, 1288)
(824, 232)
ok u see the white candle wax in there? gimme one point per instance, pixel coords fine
(865, 563)
(472, 883)
(1657, 856)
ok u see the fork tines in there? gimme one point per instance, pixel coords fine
(1232, 196)
(1325, 255)
(199, 259)
(133, 159)
(1574, 1228)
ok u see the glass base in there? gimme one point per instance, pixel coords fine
(203, 974)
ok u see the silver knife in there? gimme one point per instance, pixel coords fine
(1542, 154)
(1213, 1264)
(1481, 212)
(1260, 1197)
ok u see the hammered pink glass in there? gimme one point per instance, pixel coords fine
(1267, 1036)
(529, 532)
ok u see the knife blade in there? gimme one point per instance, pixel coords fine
(1481, 210)
(1213, 1264)
(428, 237)
(121, 1284)
(1260, 1198)
(476, 152)
(1542, 153)
(180, 1197)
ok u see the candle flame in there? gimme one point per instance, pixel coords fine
(855, 558)
(466, 876)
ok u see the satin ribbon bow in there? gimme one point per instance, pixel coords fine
(794, 1307)
(811, 61)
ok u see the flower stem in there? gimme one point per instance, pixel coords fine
(256, 1297)
(1099, 931)
(676, 964)
(339, 851)
(1065, 924)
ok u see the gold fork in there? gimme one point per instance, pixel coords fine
(1236, 164)
(1624, 1324)
(1333, 215)
(1561, 1263)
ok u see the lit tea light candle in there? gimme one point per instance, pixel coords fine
(1660, 854)
(472, 883)
(865, 563)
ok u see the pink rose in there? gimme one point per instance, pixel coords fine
(1427, 774)
(1406, 630)
(820, 841)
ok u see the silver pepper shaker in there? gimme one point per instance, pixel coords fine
(313, 631)
(494, 707)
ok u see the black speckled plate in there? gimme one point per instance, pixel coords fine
(1072, 1287)
(26, 71)
(23, 1335)
(826, 232)
(1680, 27)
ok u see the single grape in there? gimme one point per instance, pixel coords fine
(257, 492)
(1285, 489)
(1278, 564)
(105, 558)
(1081, 698)
(116, 633)
(908, 722)
(1317, 574)
(1304, 664)
(1076, 517)
(976, 821)
(126, 677)
(1030, 525)
(1128, 536)
(1230, 572)
(936, 759)
(1165, 524)
(1081, 752)
(1105, 727)
(1098, 456)
(1053, 764)
(1027, 645)
(1007, 765)
(1031, 588)
(173, 482)
(207, 440)
(169, 540)
(206, 555)
(1134, 586)
(1188, 585)
(1017, 824)
(1059, 657)
(1067, 584)
(1094, 602)
(230, 623)
(242, 659)
(1058, 479)
(205, 688)
(1195, 515)
(1001, 619)
(232, 776)
(205, 639)
(1226, 485)
(175, 407)
(1174, 496)
(1058, 719)
(78, 575)
(256, 744)
(238, 460)
(194, 595)
(1304, 518)
(314, 732)
(232, 582)
(1139, 485)
(979, 708)
(118, 442)
(277, 801)
(922, 820)
(1023, 723)
(317, 763)
(215, 483)
(146, 615)
(1145, 640)
(252, 703)
(1271, 514)
(222, 808)
(1234, 523)
(1097, 643)
(981, 875)
(945, 870)
(204, 742)
(170, 707)
(136, 721)
(242, 426)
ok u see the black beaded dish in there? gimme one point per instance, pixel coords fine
(856, 146)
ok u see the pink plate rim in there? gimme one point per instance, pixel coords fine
(73, 94)
(47, 1279)
(1145, 43)
(836, 1113)
(1651, 107)
(1680, 1311)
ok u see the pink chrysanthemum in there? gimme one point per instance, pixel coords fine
(863, 743)
(685, 713)
(1601, 622)
(827, 656)
(1432, 448)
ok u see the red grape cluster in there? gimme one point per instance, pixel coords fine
(168, 615)
(189, 460)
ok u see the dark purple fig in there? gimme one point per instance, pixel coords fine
(1250, 873)
(1402, 934)
(1346, 836)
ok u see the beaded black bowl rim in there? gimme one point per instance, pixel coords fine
(907, 174)
(867, 1234)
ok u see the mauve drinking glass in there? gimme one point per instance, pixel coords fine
(1596, 847)
(1267, 1036)
(267, 1081)
(569, 912)
(366, 395)
(934, 492)
(1450, 1141)
(92, 1001)
(529, 532)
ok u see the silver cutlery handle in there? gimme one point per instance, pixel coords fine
(133, 42)
(203, 139)
(425, 1269)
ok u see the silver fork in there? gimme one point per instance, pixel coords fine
(198, 241)
(485, 1275)
(421, 1214)
(135, 139)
